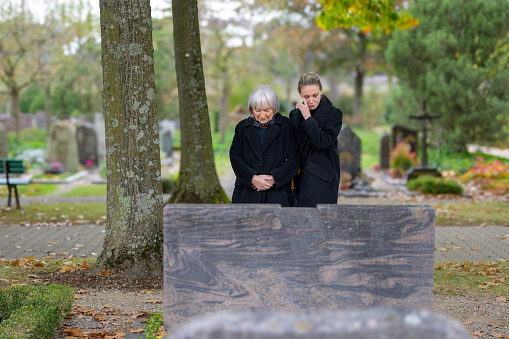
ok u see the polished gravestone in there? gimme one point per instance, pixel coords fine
(219, 257)
(350, 149)
(394, 322)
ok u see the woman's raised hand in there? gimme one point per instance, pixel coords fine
(304, 109)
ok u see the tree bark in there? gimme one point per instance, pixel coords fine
(198, 181)
(225, 104)
(358, 89)
(16, 111)
(47, 94)
(133, 243)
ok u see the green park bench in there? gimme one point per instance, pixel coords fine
(8, 167)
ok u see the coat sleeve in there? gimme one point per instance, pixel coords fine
(325, 137)
(242, 170)
(284, 174)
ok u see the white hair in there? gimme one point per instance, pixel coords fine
(262, 96)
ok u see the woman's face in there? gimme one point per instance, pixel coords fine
(263, 114)
(312, 95)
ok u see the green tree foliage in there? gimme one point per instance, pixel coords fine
(456, 58)
(382, 16)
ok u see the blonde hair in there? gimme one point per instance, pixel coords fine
(309, 79)
(261, 96)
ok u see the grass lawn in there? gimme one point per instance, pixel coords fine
(471, 278)
(33, 190)
(472, 214)
(77, 213)
(86, 191)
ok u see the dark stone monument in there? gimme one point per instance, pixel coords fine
(166, 142)
(395, 322)
(99, 129)
(228, 257)
(425, 118)
(385, 152)
(4, 142)
(350, 148)
(87, 146)
(406, 134)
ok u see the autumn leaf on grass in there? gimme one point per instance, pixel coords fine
(442, 249)
(78, 297)
(105, 272)
(152, 301)
(137, 330)
(66, 269)
(474, 249)
(161, 332)
(499, 335)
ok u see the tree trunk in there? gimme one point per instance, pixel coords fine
(198, 181)
(16, 111)
(359, 82)
(46, 108)
(224, 105)
(133, 243)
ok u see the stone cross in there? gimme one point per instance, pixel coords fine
(426, 119)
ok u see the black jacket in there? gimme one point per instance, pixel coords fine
(318, 182)
(279, 156)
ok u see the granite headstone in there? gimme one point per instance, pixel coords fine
(406, 134)
(87, 146)
(4, 142)
(219, 257)
(62, 146)
(385, 152)
(350, 148)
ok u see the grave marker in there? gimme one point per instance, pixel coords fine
(62, 146)
(87, 146)
(219, 257)
(350, 148)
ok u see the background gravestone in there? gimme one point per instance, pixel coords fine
(101, 136)
(4, 142)
(87, 146)
(166, 142)
(385, 152)
(219, 257)
(62, 146)
(400, 133)
(350, 148)
(40, 120)
(394, 322)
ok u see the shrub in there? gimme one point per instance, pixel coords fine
(33, 311)
(489, 176)
(401, 158)
(431, 185)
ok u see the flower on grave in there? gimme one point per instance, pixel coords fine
(89, 163)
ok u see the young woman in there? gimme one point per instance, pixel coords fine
(318, 124)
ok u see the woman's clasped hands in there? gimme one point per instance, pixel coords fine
(262, 182)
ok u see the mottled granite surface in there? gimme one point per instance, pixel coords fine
(219, 257)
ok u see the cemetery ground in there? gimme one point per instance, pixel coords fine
(474, 292)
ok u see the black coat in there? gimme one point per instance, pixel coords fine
(318, 182)
(279, 156)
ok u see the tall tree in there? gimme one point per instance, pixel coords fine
(456, 58)
(21, 45)
(198, 181)
(133, 243)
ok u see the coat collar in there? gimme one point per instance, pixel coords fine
(270, 134)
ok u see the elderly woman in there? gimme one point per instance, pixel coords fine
(318, 124)
(265, 152)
